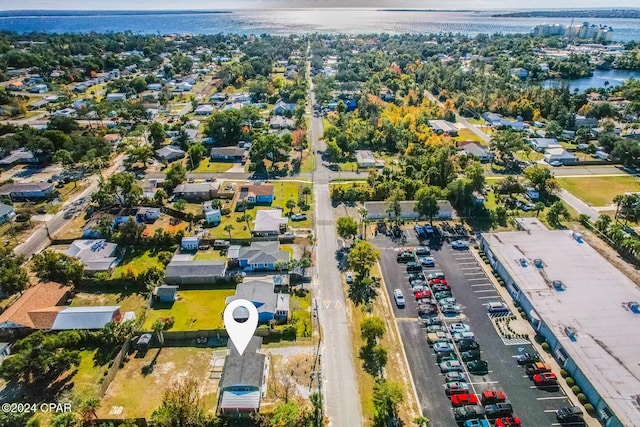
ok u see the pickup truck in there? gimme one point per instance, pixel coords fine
(537, 368)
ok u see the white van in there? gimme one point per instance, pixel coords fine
(399, 297)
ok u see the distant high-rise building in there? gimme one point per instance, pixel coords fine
(584, 31)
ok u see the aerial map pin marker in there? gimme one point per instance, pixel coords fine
(241, 327)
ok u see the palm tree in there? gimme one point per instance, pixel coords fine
(290, 205)
(280, 264)
(228, 228)
(306, 191)
(538, 207)
(158, 328)
(88, 409)
(246, 218)
(618, 200)
(362, 211)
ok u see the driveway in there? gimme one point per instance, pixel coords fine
(578, 204)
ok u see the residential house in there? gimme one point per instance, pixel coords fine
(496, 120)
(5, 350)
(281, 122)
(585, 122)
(18, 157)
(183, 270)
(477, 151)
(441, 127)
(365, 159)
(39, 88)
(154, 87)
(165, 293)
(602, 155)
(170, 153)
(37, 105)
(521, 73)
(559, 154)
(380, 210)
(148, 215)
(86, 318)
(203, 110)
(190, 243)
(212, 215)
(269, 223)
(115, 97)
(229, 154)
(6, 213)
(241, 383)
(97, 255)
(28, 190)
(123, 215)
(478, 198)
(197, 191)
(259, 256)
(255, 194)
(541, 144)
(113, 139)
(270, 305)
(192, 134)
(15, 85)
(36, 308)
(282, 107)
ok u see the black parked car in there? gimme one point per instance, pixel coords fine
(499, 410)
(528, 358)
(413, 266)
(478, 366)
(466, 344)
(470, 355)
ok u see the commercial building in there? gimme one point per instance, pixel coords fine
(585, 308)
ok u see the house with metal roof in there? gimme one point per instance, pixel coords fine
(165, 293)
(90, 317)
(269, 223)
(181, 271)
(97, 255)
(257, 256)
(242, 380)
(270, 305)
(6, 213)
(443, 127)
(169, 153)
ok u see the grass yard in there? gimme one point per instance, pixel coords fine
(465, 134)
(600, 191)
(194, 309)
(530, 155)
(135, 261)
(475, 121)
(114, 295)
(300, 305)
(217, 167)
(308, 164)
(88, 376)
(347, 166)
(138, 386)
(209, 255)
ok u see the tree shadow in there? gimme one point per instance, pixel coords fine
(148, 369)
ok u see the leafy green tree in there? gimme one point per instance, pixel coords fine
(157, 134)
(175, 174)
(58, 267)
(392, 203)
(474, 174)
(63, 123)
(268, 148)
(553, 130)
(181, 406)
(505, 142)
(347, 227)
(140, 153)
(542, 180)
(387, 395)
(226, 127)
(427, 202)
(119, 189)
(13, 276)
(286, 414)
(556, 213)
(372, 329)
(538, 207)
(362, 256)
(196, 153)
(180, 205)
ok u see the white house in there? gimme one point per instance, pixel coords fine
(269, 223)
(211, 215)
(541, 144)
(190, 243)
(559, 155)
(203, 110)
(116, 97)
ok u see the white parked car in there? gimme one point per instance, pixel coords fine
(459, 327)
(397, 295)
(460, 244)
(349, 277)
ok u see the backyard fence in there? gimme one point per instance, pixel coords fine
(113, 370)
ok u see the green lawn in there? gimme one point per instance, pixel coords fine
(193, 310)
(465, 134)
(600, 191)
(208, 255)
(308, 163)
(136, 261)
(87, 379)
(301, 313)
(116, 295)
(475, 121)
(348, 166)
(217, 167)
(530, 155)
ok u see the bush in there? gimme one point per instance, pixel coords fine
(582, 398)
(576, 390)
(564, 373)
(546, 347)
(590, 409)
(289, 332)
(570, 381)
(539, 338)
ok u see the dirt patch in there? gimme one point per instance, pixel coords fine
(290, 378)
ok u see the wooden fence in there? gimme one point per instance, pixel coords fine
(113, 370)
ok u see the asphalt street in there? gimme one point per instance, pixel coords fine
(40, 238)
(473, 290)
(341, 398)
(578, 204)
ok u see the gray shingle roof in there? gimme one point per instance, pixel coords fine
(258, 291)
(195, 269)
(263, 253)
(244, 370)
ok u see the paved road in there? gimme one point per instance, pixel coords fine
(472, 289)
(341, 398)
(578, 204)
(39, 239)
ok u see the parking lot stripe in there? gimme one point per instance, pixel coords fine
(477, 278)
(485, 297)
(470, 268)
(552, 398)
(474, 274)
(485, 382)
(464, 263)
(485, 290)
(482, 284)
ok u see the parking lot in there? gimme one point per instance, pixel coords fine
(473, 291)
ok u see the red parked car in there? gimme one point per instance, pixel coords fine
(545, 378)
(464, 399)
(508, 422)
(489, 397)
(422, 294)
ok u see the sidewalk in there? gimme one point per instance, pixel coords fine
(522, 326)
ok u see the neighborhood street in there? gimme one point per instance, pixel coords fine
(341, 399)
(578, 204)
(40, 238)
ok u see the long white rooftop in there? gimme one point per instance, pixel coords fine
(594, 302)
